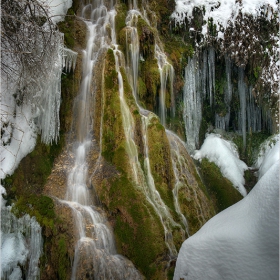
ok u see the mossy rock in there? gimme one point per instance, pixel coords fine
(220, 189)
(146, 38)
(120, 18)
(160, 162)
(150, 76)
(136, 225)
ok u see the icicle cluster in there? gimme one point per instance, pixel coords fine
(21, 246)
(69, 59)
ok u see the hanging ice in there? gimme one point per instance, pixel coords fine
(69, 59)
(192, 104)
(242, 90)
(21, 245)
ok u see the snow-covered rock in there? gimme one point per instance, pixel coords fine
(225, 155)
(241, 242)
(268, 154)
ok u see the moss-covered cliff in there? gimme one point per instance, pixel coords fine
(122, 170)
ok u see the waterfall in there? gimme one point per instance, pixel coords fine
(132, 43)
(95, 246)
(185, 180)
(166, 71)
(178, 166)
(192, 112)
(143, 178)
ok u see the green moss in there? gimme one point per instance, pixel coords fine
(39, 206)
(150, 84)
(146, 38)
(136, 225)
(160, 163)
(68, 28)
(62, 260)
(121, 9)
(220, 188)
(170, 273)
(254, 140)
(32, 172)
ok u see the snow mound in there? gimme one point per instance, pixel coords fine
(240, 242)
(224, 154)
(222, 11)
(268, 154)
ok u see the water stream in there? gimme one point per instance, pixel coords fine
(166, 71)
(95, 252)
(142, 177)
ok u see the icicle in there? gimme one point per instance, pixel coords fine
(47, 99)
(192, 104)
(254, 114)
(204, 75)
(211, 74)
(242, 100)
(69, 59)
(171, 77)
(222, 122)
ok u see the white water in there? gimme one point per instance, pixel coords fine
(184, 179)
(95, 252)
(132, 52)
(143, 178)
(166, 71)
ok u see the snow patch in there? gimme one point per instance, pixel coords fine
(225, 155)
(221, 11)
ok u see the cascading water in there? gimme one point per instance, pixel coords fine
(132, 42)
(185, 180)
(95, 252)
(143, 178)
(166, 70)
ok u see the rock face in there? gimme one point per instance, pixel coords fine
(139, 172)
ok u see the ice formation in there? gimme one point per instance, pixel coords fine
(225, 155)
(29, 106)
(69, 59)
(21, 245)
(241, 242)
